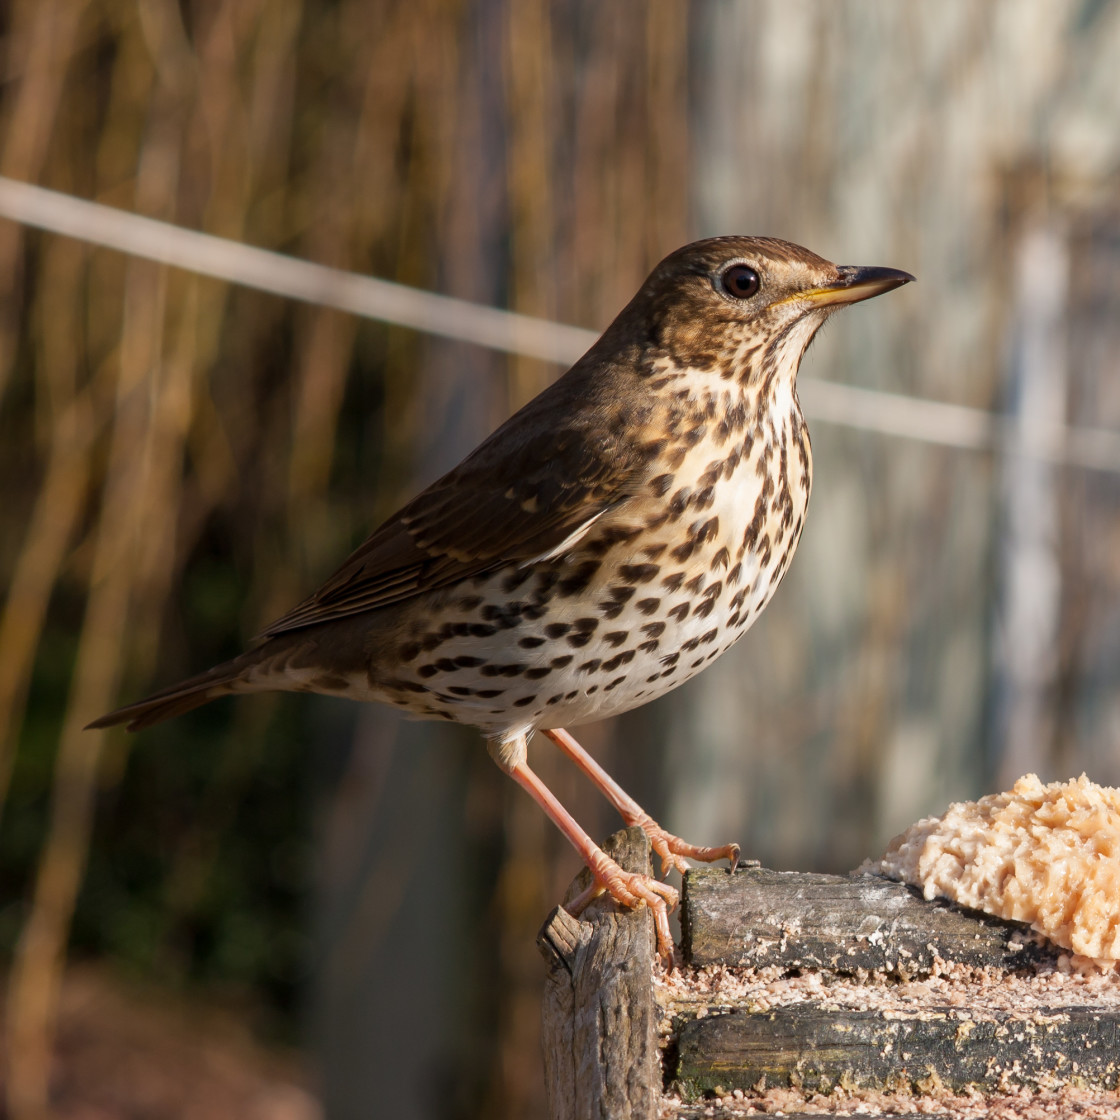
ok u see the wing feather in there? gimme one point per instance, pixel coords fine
(526, 494)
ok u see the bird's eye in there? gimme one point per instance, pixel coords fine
(740, 281)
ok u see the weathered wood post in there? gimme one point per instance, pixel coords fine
(599, 1016)
(796, 985)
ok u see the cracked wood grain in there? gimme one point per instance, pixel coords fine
(599, 1021)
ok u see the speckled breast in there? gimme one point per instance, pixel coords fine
(644, 602)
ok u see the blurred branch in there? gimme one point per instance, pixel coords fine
(927, 421)
(42, 34)
(57, 507)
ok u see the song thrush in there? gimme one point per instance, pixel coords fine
(599, 549)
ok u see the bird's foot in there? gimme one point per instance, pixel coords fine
(632, 890)
(672, 850)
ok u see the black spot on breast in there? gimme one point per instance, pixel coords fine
(557, 629)
(458, 690)
(579, 639)
(512, 670)
(427, 671)
(638, 573)
(679, 503)
(650, 646)
(679, 612)
(592, 690)
(524, 702)
(653, 629)
(660, 485)
(516, 578)
(647, 606)
(609, 537)
(750, 535)
(709, 601)
(555, 699)
(470, 602)
(707, 531)
(694, 584)
(560, 662)
(619, 659)
(721, 559)
(683, 551)
(704, 499)
(590, 666)
(653, 551)
(409, 652)
(734, 574)
(674, 581)
(709, 636)
(530, 643)
(579, 579)
(615, 683)
(482, 630)
(538, 673)
(467, 662)
(489, 693)
(619, 597)
(616, 637)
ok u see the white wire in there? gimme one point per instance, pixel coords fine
(865, 409)
(288, 276)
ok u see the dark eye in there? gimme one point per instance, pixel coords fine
(740, 281)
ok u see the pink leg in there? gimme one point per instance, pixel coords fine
(669, 847)
(623, 886)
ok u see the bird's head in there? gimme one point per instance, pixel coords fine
(745, 305)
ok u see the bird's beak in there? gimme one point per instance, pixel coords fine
(855, 283)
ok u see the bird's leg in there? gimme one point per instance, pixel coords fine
(624, 887)
(670, 848)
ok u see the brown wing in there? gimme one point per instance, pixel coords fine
(531, 486)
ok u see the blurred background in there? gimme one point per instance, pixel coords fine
(291, 907)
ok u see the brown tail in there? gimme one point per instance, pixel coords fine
(179, 698)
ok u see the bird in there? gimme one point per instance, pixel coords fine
(600, 548)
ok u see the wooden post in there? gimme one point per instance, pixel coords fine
(599, 1017)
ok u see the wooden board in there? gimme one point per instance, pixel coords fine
(819, 1049)
(759, 917)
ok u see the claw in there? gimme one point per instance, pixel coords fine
(632, 890)
(672, 849)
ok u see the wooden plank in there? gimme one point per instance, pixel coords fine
(820, 1049)
(759, 917)
(599, 1020)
